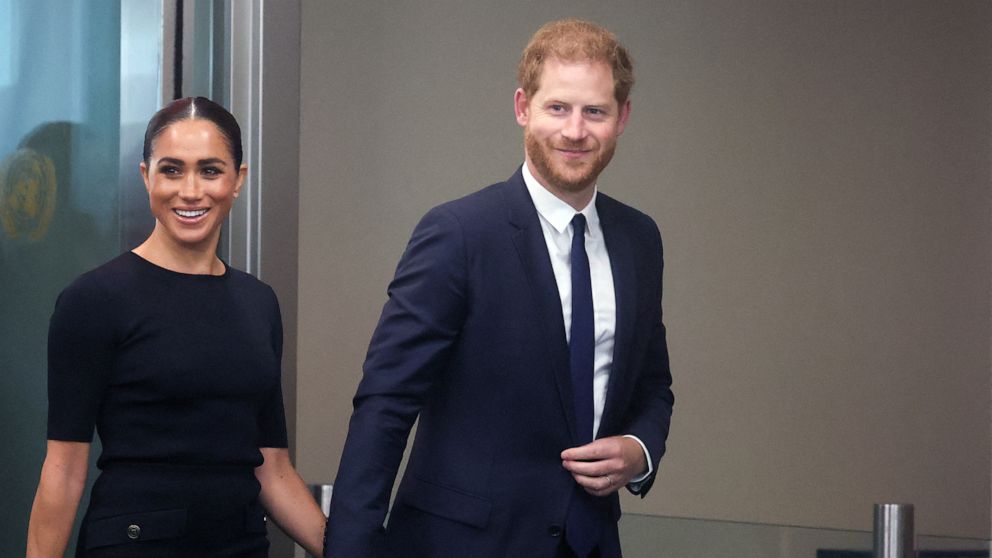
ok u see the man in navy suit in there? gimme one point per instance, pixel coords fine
(524, 330)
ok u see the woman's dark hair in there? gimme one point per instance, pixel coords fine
(195, 108)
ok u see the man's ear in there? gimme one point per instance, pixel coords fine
(623, 117)
(520, 108)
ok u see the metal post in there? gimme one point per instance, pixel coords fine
(894, 534)
(322, 493)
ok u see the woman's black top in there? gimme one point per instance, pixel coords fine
(178, 374)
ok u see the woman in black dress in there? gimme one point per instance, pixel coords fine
(174, 358)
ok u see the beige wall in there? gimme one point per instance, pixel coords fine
(820, 173)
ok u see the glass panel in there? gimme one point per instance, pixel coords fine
(62, 124)
(142, 87)
(646, 536)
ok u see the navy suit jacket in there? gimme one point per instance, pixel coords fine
(472, 342)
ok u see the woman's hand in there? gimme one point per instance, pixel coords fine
(288, 501)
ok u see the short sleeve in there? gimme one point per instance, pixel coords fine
(272, 415)
(80, 358)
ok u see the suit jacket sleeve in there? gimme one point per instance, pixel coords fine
(649, 418)
(419, 324)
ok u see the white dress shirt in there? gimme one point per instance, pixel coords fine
(556, 216)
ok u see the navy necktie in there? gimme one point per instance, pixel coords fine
(581, 344)
(583, 525)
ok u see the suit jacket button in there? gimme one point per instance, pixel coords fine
(554, 531)
(133, 532)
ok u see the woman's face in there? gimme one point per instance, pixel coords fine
(192, 182)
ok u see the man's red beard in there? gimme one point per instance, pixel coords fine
(585, 173)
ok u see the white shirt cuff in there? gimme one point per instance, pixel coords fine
(635, 483)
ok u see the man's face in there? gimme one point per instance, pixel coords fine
(571, 125)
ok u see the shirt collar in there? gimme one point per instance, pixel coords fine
(556, 212)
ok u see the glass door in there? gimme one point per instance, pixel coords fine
(78, 80)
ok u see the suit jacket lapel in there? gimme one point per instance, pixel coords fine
(533, 251)
(620, 249)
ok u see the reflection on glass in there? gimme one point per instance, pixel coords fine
(59, 141)
(8, 43)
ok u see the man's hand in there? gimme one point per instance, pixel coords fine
(605, 465)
